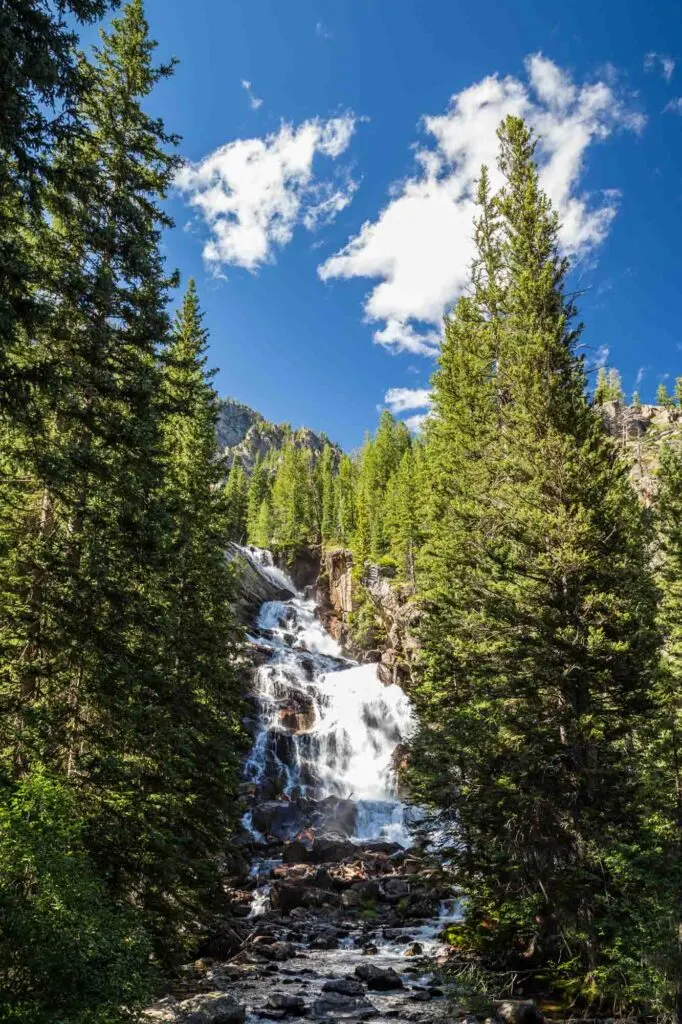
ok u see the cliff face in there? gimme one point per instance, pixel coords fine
(642, 433)
(372, 618)
(244, 434)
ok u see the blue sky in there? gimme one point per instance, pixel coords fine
(325, 206)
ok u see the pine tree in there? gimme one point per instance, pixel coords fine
(293, 501)
(678, 391)
(539, 638)
(236, 498)
(636, 403)
(202, 760)
(663, 396)
(40, 86)
(601, 391)
(328, 523)
(257, 495)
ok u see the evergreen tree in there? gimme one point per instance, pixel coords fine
(678, 391)
(663, 396)
(202, 760)
(258, 493)
(328, 523)
(236, 497)
(40, 86)
(636, 403)
(345, 500)
(601, 391)
(293, 501)
(539, 639)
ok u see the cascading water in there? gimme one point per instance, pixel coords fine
(326, 727)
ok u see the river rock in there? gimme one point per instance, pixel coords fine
(295, 1006)
(396, 889)
(212, 1008)
(297, 852)
(518, 1011)
(333, 851)
(278, 818)
(414, 949)
(337, 1006)
(278, 951)
(346, 986)
(382, 979)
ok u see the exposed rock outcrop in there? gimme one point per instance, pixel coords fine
(244, 434)
(642, 432)
(254, 585)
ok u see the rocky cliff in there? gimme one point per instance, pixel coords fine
(643, 431)
(373, 618)
(244, 434)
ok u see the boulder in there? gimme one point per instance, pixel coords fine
(380, 979)
(518, 1011)
(211, 1008)
(333, 851)
(336, 1006)
(294, 1006)
(346, 986)
(278, 951)
(278, 818)
(297, 852)
(396, 889)
(414, 949)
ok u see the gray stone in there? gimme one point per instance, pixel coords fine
(518, 1011)
(293, 1005)
(212, 1008)
(346, 986)
(337, 1006)
(379, 979)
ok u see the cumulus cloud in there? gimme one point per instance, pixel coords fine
(252, 193)
(419, 248)
(254, 101)
(660, 62)
(674, 106)
(401, 400)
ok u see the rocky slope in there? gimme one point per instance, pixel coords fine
(642, 432)
(244, 434)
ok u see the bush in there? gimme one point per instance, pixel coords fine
(68, 954)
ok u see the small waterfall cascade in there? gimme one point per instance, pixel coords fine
(325, 726)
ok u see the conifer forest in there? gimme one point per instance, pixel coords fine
(275, 713)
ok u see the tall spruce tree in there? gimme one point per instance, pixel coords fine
(204, 748)
(540, 637)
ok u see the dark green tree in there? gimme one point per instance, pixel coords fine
(237, 503)
(540, 637)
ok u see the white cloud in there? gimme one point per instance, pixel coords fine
(322, 31)
(600, 358)
(420, 245)
(640, 376)
(416, 423)
(660, 62)
(401, 400)
(674, 106)
(254, 101)
(253, 192)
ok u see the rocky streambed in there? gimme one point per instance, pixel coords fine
(340, 914)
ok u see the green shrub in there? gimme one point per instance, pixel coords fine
(68, 954)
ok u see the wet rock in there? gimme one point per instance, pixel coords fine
(336, 1006)
(294, 1006)
(414, 949)
(254, 586)
(212, 1008)
(382, 979)
(278, 951)
(370, 951)
(278, 818)
(297, 852)
(333, 851)
(518, 1011)
(396, 889)
(346, 986)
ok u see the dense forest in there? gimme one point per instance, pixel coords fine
(548, 690)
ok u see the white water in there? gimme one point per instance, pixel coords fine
(327, 727)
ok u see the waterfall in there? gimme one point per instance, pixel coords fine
(326, 726)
